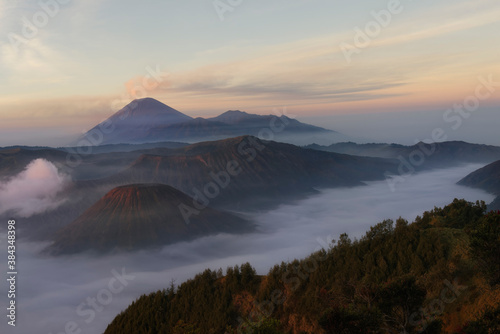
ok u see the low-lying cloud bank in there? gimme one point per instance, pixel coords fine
(86, 293)
(33, 191)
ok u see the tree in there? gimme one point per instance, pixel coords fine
(344, 320)
(489, 323)
(398, 300)
(183, 328)
(485, 245)
(381, 229)
(248, 276)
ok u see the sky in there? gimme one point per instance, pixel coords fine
(66, 65)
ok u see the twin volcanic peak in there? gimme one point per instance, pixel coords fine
(140, 216)
(148, 120)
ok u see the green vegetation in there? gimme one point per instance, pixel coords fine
(439, 274)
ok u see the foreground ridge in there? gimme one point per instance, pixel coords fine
(439, 274)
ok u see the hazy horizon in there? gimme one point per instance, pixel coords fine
(82, 61)
(406, 128)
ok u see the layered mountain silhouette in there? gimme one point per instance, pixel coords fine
(140, 216)
(488, 179)
(245, 169)
(242, 173)
(148, 120)
(264, 173)
(443, 154)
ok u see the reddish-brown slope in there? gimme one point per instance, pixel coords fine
(139, 216)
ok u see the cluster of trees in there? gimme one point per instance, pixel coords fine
(398, 278)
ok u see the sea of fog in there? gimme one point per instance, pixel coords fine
(81, 294)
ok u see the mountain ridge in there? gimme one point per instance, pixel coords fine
(266, 169)
(488, 179)
(149, 120)
(441, 154)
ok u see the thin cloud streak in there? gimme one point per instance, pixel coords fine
(400, 69)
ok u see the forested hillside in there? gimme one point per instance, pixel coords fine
(440, 274)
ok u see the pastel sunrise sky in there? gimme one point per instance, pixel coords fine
(67, 65)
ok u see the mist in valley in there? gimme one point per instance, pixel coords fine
(64, 294)
(34, 190)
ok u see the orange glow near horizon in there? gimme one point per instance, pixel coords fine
(418, 62)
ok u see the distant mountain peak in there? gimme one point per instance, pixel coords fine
(149, 107)
(133, 122)
(149, 120)
(234, 116)
(148, 99)
(235, 112)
